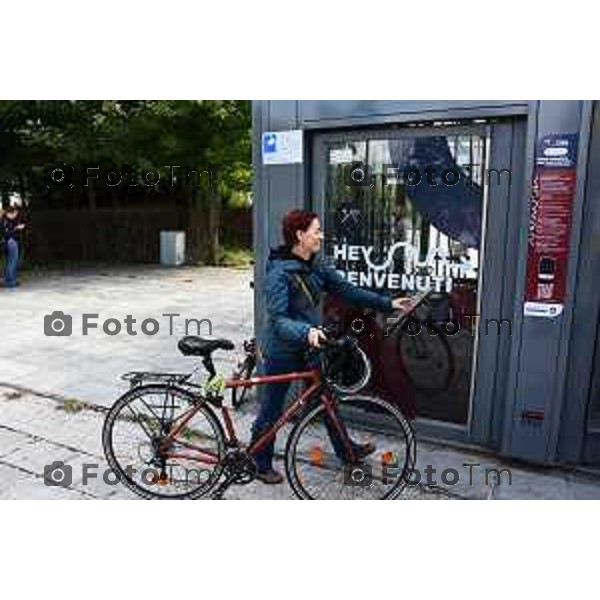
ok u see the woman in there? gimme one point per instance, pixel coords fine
(11, 227)
(294, 283)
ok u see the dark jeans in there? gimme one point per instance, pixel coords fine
(272, 405)
(12, 263)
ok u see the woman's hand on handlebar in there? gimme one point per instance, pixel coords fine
(315, 337)
(403, 304)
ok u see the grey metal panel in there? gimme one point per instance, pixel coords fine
(343, 113)
(517, 205)
(285, 192)
(277, 189)
(540, 358)
(520, 266)
(490, 286)
(260, 208)
(493, 347)
(585, 314)
(560, 397)
(283, 114)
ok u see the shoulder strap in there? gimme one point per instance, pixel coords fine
(306, 289)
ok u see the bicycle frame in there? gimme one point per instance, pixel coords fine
(316, 386)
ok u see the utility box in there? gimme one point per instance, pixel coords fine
(172, 248)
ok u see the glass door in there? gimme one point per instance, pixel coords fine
(405, 211)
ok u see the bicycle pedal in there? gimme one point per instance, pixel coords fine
(162, 479)
(387, 458)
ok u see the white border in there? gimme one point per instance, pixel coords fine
(233, 49)
(259, 549)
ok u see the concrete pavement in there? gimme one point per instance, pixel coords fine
(54, 390)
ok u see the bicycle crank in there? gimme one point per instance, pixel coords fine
(240, 466)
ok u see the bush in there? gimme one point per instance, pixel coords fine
(236, 257)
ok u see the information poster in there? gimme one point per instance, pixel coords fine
(282, 147)
(551, 207)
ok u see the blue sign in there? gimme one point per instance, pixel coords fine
(557, 150)
(269, 143)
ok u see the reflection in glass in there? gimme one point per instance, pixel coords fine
(413, 222)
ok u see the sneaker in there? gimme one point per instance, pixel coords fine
(363, 450)
(270, 477)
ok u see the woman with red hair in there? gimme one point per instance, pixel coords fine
(295, 280)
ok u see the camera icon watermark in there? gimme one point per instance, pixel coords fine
(58, 324)
(57, 474)
(62, 176)
(361, 174)
(358, 174)
(360, 475)
(363, 475)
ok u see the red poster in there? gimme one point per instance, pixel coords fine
(551, 207)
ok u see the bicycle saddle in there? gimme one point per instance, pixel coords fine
(192, 345)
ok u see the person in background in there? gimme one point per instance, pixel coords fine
(11, 226)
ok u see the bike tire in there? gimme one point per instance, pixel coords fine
(295, 454)
(239, 395)
(152, 491)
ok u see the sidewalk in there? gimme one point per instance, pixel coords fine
(88, 367)
(36, 430)
(54, 391)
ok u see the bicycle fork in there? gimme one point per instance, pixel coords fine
(337, 428)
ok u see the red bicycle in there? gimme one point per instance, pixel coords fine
(164, 439)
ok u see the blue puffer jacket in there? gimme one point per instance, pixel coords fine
(293, 290)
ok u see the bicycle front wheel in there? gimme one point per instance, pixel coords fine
(317, 468)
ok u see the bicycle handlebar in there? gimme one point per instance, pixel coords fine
(333, 339)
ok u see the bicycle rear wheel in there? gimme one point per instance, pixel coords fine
(132, 434)
(316, 471)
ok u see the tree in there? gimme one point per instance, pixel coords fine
(202, 136)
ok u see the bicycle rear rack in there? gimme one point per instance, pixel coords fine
(136, 378)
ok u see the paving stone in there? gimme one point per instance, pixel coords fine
(17, 485)
(38, 455)
(11, 441)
